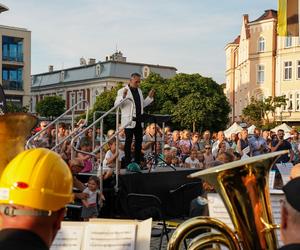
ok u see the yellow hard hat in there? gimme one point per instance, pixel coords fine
(37, 178)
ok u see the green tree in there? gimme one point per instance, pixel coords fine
(51, 107)
(159, 84)
(197, 102)
(104, 102)
(259, 111)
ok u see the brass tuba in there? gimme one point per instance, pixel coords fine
(244, 188)
(14, 130)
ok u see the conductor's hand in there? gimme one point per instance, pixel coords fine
(125, 93)
(151, 93)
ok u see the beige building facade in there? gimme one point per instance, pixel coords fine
(15, 63)
(260, 64)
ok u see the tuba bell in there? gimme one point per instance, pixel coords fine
(14, 130)
(244, 188)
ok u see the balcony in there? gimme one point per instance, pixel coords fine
(12, 85)
(10, 58)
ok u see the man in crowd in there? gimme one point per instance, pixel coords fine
(220, 139)
(34, 189)
(258, 145)
(206, 140)
(290, 215)
(149, 139)
(281, 144)
(135, 129)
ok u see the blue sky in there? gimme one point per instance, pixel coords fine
(189, 35)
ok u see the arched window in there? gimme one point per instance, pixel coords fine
(98, 70)
(261, 44)
(146, 71)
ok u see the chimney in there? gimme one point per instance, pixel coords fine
(50, 68)
(92, 61)
(82, 61)
(246, 18)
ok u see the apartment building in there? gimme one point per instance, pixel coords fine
(15, 63)
(260, 64)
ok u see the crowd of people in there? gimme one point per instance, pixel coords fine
(178, 148)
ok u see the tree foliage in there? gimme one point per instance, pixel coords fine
(259, 111)
(194, 101)
(104, 102)
(51, 106)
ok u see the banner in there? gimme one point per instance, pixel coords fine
(288, 18)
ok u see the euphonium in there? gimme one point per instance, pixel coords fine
(14, 130)
(244, 188)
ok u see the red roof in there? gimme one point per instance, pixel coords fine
(269, 14)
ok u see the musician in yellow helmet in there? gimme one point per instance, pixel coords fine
(34, 189)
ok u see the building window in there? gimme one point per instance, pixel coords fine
(98, 70)
(288, 70)
(261, 44)
(290, 102)
(80, 98)
(146, 71)
(260, 74)
(288, 41)
(297, 104)
(62, 75)
(12, 49)
(72, 99)
(298, 69)
(12, 79)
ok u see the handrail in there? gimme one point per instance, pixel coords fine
(29, 141)
(100, 119)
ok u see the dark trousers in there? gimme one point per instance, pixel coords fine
(138, 136)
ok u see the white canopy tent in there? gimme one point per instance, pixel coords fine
(286, 128)
(251, 129)
(234, 128)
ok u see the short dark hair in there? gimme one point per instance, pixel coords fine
(135, 75)
(95, 179)
(280, 130)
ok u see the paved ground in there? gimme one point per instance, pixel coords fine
(154, 245)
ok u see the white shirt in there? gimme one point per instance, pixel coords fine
(92, 199)
(193, 163)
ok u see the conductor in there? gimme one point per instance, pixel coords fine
(133, 91)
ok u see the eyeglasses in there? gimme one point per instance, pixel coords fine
(207, 148)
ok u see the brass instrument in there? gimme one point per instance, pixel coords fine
(14, 130)
(244, 188)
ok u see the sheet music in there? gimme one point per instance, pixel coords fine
(272, 179)
(68, 238)
(285, 170)
(217, 210)
(110, 236)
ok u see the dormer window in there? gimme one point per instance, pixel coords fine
(98, 70)
(146, 71)
(62, 75)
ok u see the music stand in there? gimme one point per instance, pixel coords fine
(157, 119)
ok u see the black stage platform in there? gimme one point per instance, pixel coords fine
(161, 182)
